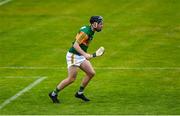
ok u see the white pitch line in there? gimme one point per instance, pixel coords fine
(98, 68)
(32, 68)
(138, 68)
(4, 2)
(20, 77)
(21, 92)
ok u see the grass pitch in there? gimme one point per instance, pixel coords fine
(141, 38)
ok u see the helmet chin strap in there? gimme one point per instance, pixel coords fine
(98, 30)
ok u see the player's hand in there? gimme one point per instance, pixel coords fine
(88, 56)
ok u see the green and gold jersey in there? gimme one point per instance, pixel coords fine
(83, 37)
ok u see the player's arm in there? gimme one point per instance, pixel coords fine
(79, 50)
(79, 39)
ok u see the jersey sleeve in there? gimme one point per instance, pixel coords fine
(81, 37)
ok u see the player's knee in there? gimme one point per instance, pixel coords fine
(92, 74)
(71, 79)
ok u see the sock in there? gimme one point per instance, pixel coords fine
(55, 92)
(81, 89)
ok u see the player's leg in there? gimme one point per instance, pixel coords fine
(72, 73)
(88, 69)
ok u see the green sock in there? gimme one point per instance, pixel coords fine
(81, 89)
(55, 92)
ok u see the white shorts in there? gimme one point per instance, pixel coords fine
(74, 59)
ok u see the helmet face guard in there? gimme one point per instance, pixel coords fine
(98, 30)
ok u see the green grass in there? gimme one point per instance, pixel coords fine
(136, 34)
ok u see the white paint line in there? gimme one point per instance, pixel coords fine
(138, 68)
(33, 68)
(4, 2)
(98, 68)
(21, 92)
(20, 77)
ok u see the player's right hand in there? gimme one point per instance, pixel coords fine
(88, 56)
